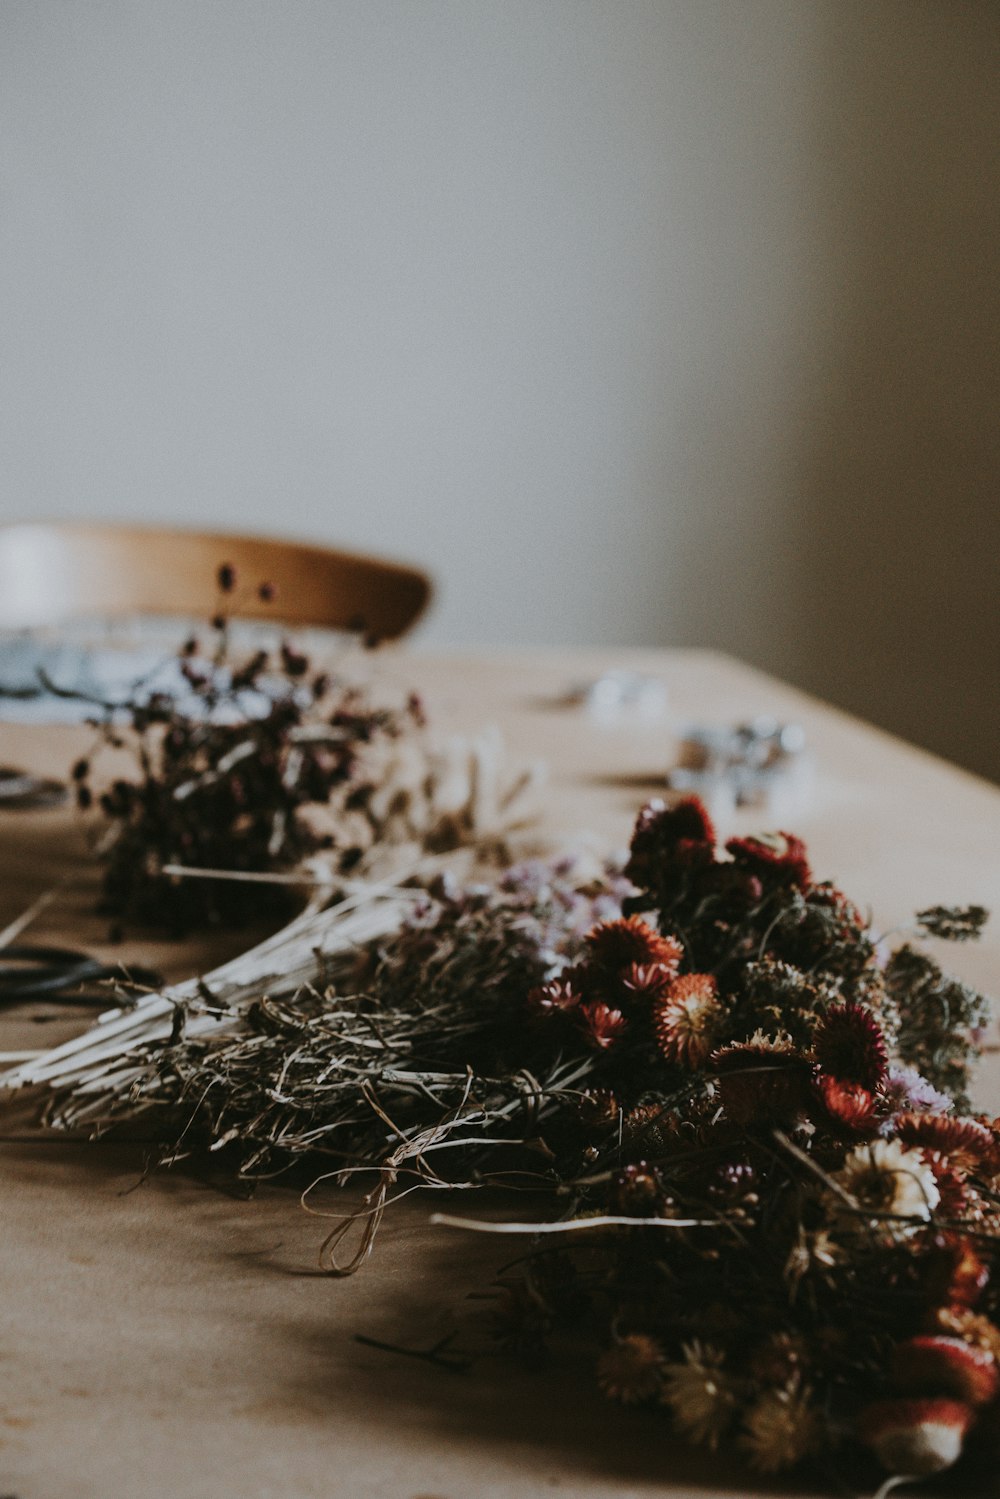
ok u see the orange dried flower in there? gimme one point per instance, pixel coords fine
(686, 1019)
(848, 1105)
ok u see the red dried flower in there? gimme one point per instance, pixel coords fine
(915, 1437)
(681, 834)
(847, 1105)
(780, 860)
(601, 1025)
(761, 1083)
(686, 1019)
(953, 1198)
(616, 946)
(966, 1143)
(849, 1046)
(937, 1365)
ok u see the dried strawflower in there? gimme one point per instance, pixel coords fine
(600, 1024)
(687, 1019)
(702, 1396)
(849, 1046)
(761, 1082)
(631, 1370)
(966, 1143)
(809, 1214)
(847, 1106)
(915, 1438)
(614, 947)
(781, 1428)
(941, 1365)
(887, 1180)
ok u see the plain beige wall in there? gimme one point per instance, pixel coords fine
(639, 322)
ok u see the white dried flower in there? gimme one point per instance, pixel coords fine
(883, 1176)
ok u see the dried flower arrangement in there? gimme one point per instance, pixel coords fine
(261, 766)
(779, 1220)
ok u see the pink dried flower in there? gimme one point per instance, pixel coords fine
(647, 981)
(601, 1025)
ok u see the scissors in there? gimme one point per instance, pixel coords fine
(61, 975)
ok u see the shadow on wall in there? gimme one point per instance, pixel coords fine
(898, 571)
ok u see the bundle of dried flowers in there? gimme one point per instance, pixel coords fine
(811, 1246)
(781, 1219)
(266, 764)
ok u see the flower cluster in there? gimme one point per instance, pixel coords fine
(788, 1110)
(229, 769)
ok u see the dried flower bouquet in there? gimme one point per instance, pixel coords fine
(777, 1217)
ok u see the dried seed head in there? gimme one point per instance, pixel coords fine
(631, 1370)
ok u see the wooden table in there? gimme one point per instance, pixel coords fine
(165, 1339)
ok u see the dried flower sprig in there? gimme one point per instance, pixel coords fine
(248, 765)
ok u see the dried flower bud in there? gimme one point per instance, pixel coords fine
(637, 1191)
(939, 1365)
(267, 592)
(555, 997)
(777, 861)
(915, 1438)
(227, 577)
